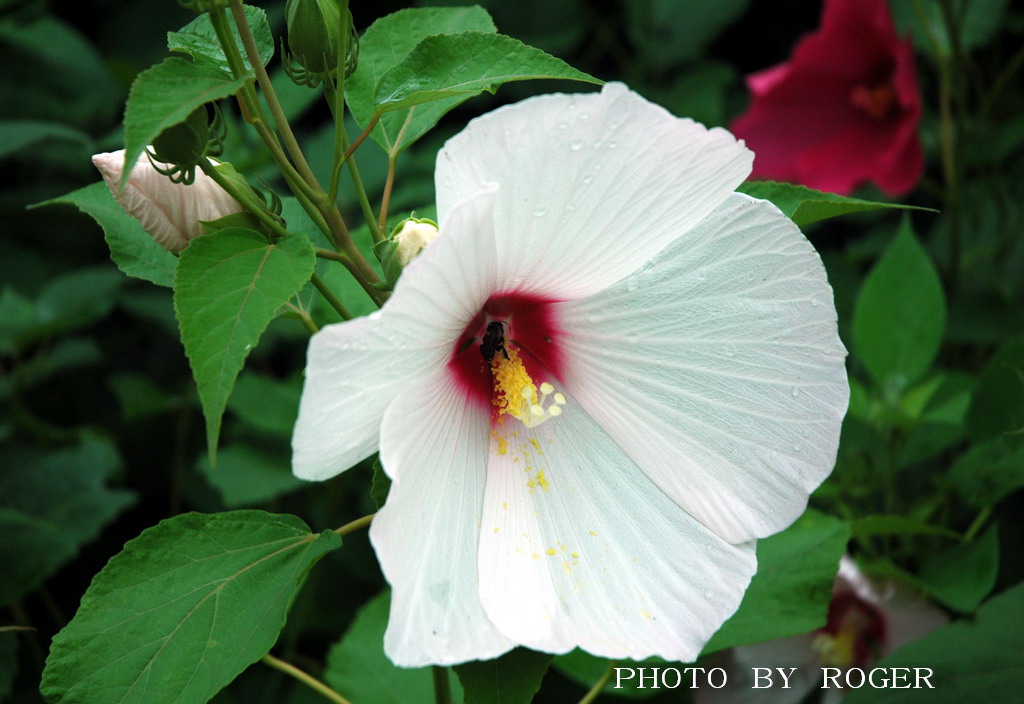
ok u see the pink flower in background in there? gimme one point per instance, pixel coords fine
(843, 110)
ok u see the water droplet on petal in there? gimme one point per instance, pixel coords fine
(563, 125)
(612, 144)
(588, 178)
(730, 350)
(632, 285)
(576, 145)
(540, 212)
(796, 392)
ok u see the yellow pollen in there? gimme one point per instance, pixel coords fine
(551, 551)
(542, 480)
(517, 395)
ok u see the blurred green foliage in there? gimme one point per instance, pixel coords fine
(101, 427)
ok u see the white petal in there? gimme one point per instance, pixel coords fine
(592, 186)
(355, 369)
(592, 554)
(434, 445)
(719, 369)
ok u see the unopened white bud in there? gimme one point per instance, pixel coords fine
(170, 212)
(413, 236)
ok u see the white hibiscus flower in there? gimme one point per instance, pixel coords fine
(665, 386)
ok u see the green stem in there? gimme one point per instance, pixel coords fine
(307, 322)
(329, 209)
(442, 687)
(599, 685)
(250, 106)
(306, 679)
(385, 200)
(947, 139)
(337, 98)
(376, 294)
(355, 525)
(357, 181)
(270, 95)
(329, 296)
(244, 197)
(977, 524)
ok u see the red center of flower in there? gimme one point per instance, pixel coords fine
(528, 326)
(878, 101)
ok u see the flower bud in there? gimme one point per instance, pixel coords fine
(411, 237)
(172, 213)
(313, 33)
(185, 143)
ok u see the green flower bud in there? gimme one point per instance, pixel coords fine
(313, 33)
(407, 240)
(185, 143)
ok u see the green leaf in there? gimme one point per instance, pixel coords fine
(19, 320)
(54, 70)
(199, 40)
(805, 205)
(69, 302)
(163, 96)
(870, 526)
(961, 576)
(668, 32)
(16, 135)
(183, 609)
(792, 589)
(997, 406)
(267, 404)
(61, 356)
(50, 505)
(358, 669)
(227, 288)
(900, 313)
(466, 64)
(131, 249)
(139, 396)
(989, 471)
(388, 41)
(246, 476)
(511, 679)
(381, 484)
(972, 659)
(978, 21)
